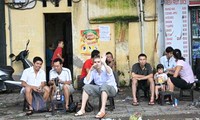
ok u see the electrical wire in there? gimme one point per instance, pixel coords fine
(23, 6)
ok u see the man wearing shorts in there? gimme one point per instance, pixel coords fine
(34, 79)
(65, 79)
(105, 85)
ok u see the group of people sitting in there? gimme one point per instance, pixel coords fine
(99, 78)
(172, 71)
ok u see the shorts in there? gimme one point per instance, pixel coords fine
(181, 83)
(95, 90)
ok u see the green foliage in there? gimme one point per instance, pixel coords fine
(122, 83)
(122, 3)
(115, 19)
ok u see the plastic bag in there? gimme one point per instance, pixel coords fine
(38, 102)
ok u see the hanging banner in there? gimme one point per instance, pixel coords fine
(176, 25)
(89, 41)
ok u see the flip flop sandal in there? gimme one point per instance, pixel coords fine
(135, 103)
(79, 113)
(151, 103)
(100, 115)
(30, 112)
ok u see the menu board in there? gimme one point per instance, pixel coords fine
(176, 25)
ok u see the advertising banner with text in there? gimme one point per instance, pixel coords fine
(176, 25)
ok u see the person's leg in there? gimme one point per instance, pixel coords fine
(29, 98)
(180, 83)
(88, 90)
(163, 87)
(156, 91)
(170, 85)
(46, 93)
(134, 88)
(28, 95)
(151, 81)
(104, 97)
(106, 90)
(66, 92)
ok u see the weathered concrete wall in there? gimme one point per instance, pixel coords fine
(121, 17)
(29, 24)
(127, 37)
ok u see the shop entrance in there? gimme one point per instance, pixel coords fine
(58, 26)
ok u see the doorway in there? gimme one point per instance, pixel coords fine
(58, 26)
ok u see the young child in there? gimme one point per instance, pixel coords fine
(160, 78)
(58, 51)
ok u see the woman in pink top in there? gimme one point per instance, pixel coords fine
(183, 76)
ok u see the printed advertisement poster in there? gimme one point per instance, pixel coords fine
(104, 33)
(176, 25)
(89, 41)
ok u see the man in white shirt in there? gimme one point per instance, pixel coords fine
(34, 79)
(65, 79)
(105, 86)
(168, 61)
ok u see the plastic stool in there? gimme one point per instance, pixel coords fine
(163, 95)
(111, 106)
(183, 96)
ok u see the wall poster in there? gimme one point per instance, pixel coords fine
(89, 41)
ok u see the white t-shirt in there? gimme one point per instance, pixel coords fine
(65, 74)
(168, 64)
(160, 78)
(33, 79)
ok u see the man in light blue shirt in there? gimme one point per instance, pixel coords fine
(105, 85)
(168, 61)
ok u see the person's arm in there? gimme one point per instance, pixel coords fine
(42, 84)
(162, 61)
(89, 76)
(137, 76)
(108, 68)
(134, 72)
(87, 70)
(146, 77)
(177, 70)
(59, 56)
(24, 84)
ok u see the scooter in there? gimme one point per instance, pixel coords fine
(6, 80)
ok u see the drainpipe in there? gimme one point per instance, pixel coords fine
(142, 24)
(10, 32)
(2, 34)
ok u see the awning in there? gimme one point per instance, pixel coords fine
(194, 3)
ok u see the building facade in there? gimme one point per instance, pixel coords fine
(125, 28)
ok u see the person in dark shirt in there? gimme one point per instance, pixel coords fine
(142, 71)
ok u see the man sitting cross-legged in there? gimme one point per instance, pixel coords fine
(34, 79)
(105, 86)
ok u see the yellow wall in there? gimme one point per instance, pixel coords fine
(29, 24)
(125, 43)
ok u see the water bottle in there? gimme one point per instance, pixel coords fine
(62, 98)
(175, 102)
(58, 95)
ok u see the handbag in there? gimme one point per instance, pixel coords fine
(88, 107)
(72, 107)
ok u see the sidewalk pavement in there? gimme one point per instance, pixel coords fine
(11, 105)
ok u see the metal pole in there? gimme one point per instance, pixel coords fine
(142, 25)
(2, 34)
(10, 31)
